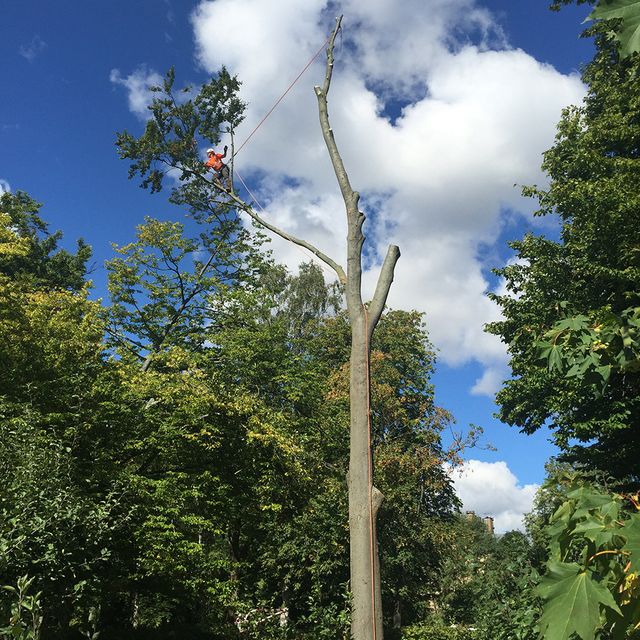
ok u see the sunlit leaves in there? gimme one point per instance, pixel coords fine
(177, 123)
(161, 286)
(594, 554)
(631, 533)
(11, 243)
(571, 310)
(46, 337)
(628, 31)
(30, 253)
(590, 350)
(574, 603)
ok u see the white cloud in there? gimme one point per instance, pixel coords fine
(475, 119)
(489, 383)
(137, 85)
(491, 489)
(5, 187)
(399, 45)
(34, 48)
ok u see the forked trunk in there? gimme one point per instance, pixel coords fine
(364, 498)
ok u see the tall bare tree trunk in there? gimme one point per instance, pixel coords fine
(364, 498)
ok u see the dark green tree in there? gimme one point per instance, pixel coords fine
(60, 510)
(39, 262)
(487, 582)
(562, 295)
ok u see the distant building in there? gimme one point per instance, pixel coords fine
(487, 521)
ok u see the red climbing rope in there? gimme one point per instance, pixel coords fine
(281, 98)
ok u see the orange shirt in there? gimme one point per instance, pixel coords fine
(215, 161)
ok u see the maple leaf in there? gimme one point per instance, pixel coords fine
(631, 531)
(573, 602)
(628, 34)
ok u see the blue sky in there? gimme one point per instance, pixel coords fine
(474, 88)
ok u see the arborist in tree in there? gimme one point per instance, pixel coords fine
(222, 170)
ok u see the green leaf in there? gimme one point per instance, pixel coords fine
(577, 322)
(604, 371)
(629, 11)
(588, 498)
(573, 602)
(555, 359)
(594, 530)
(631, 531)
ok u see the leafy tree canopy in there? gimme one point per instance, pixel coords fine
(29, 252)
(177, 123)
(569, 313)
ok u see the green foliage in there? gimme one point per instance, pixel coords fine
(590, 350)
(591, 583)
(44, 520)
(312, 373)
(277, 357)
(25, 619)
(49, 342)
(574, 302)
(487, 583)
(30, 254)
(210, 484)
(551, 494)
(165, 266)
(170, 139)
(427, 632)
(574, 602)
(627, 30)
(59, 509)
(622, 21)
(162, 285)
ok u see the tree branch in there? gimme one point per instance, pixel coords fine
(287, 236)
(382, 287)
(283, 234)
(355, 218)
(350, 196)
(197, 289)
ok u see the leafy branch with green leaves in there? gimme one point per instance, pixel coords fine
(25, 621)
(627, 31)
(591, 348)
(171, 134)
(591, 588)
(626, 13)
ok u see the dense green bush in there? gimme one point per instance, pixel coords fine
(420, 632)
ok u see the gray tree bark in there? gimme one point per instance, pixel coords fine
(364, 498)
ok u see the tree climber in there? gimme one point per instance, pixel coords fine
(214, 162)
